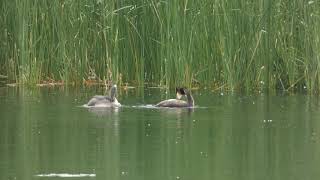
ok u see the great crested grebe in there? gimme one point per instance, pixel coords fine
(177, 102)
(105, 101)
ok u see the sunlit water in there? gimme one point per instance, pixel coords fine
(47, 134)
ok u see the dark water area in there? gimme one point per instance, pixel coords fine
(47, 134)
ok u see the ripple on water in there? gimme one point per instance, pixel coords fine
(151, 106)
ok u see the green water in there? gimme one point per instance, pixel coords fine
(228, 136)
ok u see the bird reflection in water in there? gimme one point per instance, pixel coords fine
(101, 111)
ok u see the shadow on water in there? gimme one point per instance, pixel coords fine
(45, 134)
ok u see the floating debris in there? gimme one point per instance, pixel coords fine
(50, 84)
(3, 77)
(12, 85)
(65, 175)
(267, 120)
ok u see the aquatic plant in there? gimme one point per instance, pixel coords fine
(239, 44)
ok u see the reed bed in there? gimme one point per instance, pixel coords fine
(238, 44)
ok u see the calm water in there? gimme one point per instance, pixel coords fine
(46, 132)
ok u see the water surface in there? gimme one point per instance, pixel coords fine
(46, 134)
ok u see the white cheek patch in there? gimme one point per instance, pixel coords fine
(178, 96)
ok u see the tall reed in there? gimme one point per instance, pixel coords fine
(238, 44)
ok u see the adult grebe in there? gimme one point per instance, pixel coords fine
(105, 101)
(177, 102)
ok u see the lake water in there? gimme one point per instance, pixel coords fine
(46, 134)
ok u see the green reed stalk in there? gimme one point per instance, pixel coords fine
(243, 44)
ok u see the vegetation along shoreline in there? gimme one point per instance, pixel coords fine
(239, 45)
